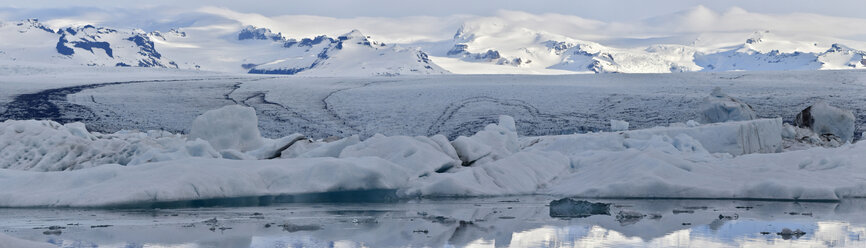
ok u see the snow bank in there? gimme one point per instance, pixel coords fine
(824, 119)
(719, 107)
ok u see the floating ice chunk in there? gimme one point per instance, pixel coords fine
(230, 127)
(629, 217)
(788, 234)
(719, 107)
(567, 207)
(824, 119)
(617, 125)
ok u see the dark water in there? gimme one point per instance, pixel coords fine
(484, 222)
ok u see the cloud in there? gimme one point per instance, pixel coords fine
(388, 29)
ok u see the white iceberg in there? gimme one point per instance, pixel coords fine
(824, 119)
(719, 107)
(50, 146)
(737, 160)
(230, 127)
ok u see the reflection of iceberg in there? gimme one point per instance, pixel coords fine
(459, 223)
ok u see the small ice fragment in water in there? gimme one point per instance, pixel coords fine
(566, 207)
(788, 234)
(628, 217)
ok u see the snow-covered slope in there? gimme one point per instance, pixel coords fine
(483, 45)
(349, 54)
(217, 48)
(32, 41)
(492, 43)
(250, 49)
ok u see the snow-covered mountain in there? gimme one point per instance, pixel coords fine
(479, 46)
(249, 49)
(32, 41)
(523, 48)
(350, 54)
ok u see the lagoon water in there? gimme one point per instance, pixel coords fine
(524, 221)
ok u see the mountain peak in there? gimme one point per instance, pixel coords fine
(836, 47)
(33, 23)
(253, 33)
(354, 34)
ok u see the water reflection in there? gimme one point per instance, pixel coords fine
(452, 223)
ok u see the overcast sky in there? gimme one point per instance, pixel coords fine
(605, 10)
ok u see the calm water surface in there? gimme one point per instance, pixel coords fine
(484, 222)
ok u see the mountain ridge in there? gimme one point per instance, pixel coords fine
(253, 49)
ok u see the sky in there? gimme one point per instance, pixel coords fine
(604, 10)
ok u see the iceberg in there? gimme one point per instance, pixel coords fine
(824, 119)
(720, 107)
(48, 164)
